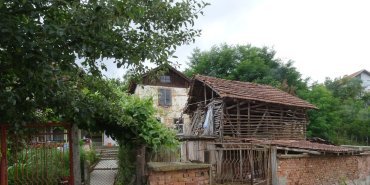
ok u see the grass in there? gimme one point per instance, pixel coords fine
(38, 165)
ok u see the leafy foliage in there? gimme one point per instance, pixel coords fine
(343, 115)
(40, 41)
(103, 105)
(324, 120)
(126, 165)
(246, 63)
(51, 54)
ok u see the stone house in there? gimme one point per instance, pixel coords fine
(169, 88)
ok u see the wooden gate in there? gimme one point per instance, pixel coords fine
(243, 164)
(36, 154)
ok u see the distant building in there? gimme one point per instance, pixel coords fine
(364, 76)
(169, 88)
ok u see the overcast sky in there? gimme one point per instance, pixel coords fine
(325, 38)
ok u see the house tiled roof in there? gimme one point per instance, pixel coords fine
(252, 91)
(358, 73)
(133, 84)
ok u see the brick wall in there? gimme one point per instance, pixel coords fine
(177, 173)
(180, 177)
(324, 170)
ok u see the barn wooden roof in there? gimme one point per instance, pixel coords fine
(250, 91)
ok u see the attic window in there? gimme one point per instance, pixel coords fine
(165, 79)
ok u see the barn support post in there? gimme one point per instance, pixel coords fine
(205, 95)
(251, 162)
(249, 118)
(274, 166)
(74, 153)
(241, 164)
(238, 116)
(4, 166)
(268, 165)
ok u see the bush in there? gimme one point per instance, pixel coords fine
(89, 156)
(126, 164)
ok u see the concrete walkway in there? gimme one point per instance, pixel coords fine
(104, 173)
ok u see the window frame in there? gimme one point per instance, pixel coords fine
(181, 123)
(165, 79)
(167, 92)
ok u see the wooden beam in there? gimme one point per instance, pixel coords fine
(233, 106)
(258, 126)
(205, 94)
(254, 106)
(299, 150)
(238, 117)
(249, 117)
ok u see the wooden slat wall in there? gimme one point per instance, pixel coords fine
(264, 121)
(252, 120)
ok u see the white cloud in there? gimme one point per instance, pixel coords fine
(325, 38)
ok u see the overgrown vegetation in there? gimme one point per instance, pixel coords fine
(246, 63)
(41, 165)
(126, 164)
(40, 80)
(343, 116)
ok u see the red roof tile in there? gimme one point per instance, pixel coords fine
(251, 91)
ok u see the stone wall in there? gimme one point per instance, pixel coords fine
(178, 174)
(166, 114)
(324, 170)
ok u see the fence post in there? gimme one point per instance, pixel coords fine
(86, 172)
(4, 166)
(140, 165)
(74, 153)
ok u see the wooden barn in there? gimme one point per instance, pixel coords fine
(239, 127)
(223, 108)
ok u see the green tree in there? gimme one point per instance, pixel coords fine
(343, 115)
(345, 88)
(246, 63)
(40, 41)
(40, 80)
(324, 122)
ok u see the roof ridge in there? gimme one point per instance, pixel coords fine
(357, 73)
(252, 91)
(237, 81)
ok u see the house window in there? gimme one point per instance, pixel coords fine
(164, 98)
(179, 125)
(58, 134)
(165, 79)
